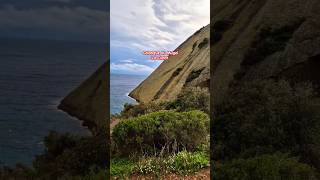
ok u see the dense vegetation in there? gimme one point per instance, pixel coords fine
(68, 157)
(157, 138)
(160, 132)
(260, 119)
(265, 167)
(191, 98)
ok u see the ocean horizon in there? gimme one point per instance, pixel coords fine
(120, 86)
(35, 75)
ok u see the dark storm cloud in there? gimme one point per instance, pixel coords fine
(57, 19)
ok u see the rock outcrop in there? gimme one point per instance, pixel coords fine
(89, 102)
(189, 68)
(261, 39)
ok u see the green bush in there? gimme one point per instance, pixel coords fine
(92, 175)
(121, 167)
(67, 155)
(130, 110)
(267, 116)
(192, 98)
(182, 163)
(160, 132)
(265, 167)
(17, 172)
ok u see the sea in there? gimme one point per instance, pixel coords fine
(34, 77)
(120, 86)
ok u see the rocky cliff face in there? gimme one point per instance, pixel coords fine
(250, 39)
(189, 68)
(89, 101)
(261, 39)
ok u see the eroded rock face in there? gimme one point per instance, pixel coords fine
(250, 39)
(89, 101)
(261, 39)
(189, 68)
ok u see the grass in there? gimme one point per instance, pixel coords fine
(182, 163)
(122, 167)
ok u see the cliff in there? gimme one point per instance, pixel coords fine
(189, 68)
(250, 39)
(89, 101)
(262, 39)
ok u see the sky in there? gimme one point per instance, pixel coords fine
(74, 20)
(157, 25)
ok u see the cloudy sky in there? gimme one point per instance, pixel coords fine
(77, 20)
(161, 25)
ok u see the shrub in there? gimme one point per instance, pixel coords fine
(192, 98)
(159, 132)
(17, 172)
(265, 167)
(141, 109)
(121, 167)
(94, 174)
(71, 155)
(266, 116)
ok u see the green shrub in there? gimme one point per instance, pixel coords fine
(265, 167)
(67, 155)
(92, 175)
(192, 98)
(121, 167)
(17, 172)
(267, 116)
(130, 110)
(182, 163)
(164, 131)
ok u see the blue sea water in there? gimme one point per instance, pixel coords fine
(34, 76)
(120, 86)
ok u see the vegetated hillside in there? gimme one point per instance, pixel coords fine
(264, 95)
(189, 68)
(89, 101)
(263, 39)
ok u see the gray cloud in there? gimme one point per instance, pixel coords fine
(80, 21)
(156, 24)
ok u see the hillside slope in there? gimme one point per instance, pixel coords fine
(189, 68)
(89, 101)
(261, 39)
